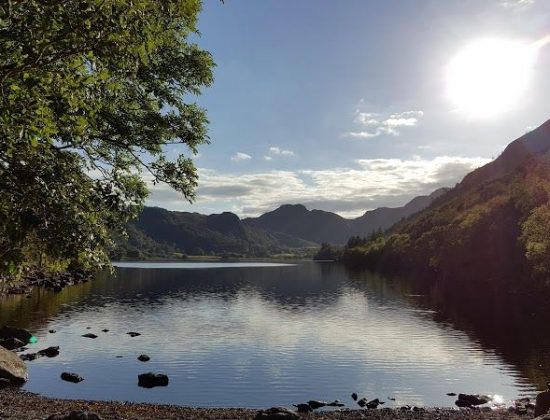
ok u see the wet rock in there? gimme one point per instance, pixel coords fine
(12, 367)
(354, 396)
(451, 394)
(143, 358)
(542, 404)
(151, 380)
(50, 351)
(133, 334)
(303, 408)
(4, 383)
(12, 343)
(335, 403)
(276, 413)
(29, 357)
(52, 331)
(90, 335)
(391, 398)
(314, 404)
(469, 400)
(362, 402)
(373, 404)
(71, 377)
(75, 415)
(105, 330)
(18, 333)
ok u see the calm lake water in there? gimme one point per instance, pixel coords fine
(256, 335)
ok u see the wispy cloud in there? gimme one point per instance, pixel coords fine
(277, 151)
(349, 191)
(373, 124)
(237, 157)
(517, 4)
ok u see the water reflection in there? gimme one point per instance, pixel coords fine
(259, 336)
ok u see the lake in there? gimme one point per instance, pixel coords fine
(265, 334)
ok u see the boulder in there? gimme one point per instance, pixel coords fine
(373, 404)
(12, 367)
(4, 383)
(362, 402)
(303, 408)
(71, 377)
(90, 335)
(50, 351)
(542, 405)
(75, 415)
(143, 358)
(18, 333)
(276, 413)
(151, 380)
(354, 396)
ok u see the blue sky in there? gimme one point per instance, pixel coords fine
(342, 106)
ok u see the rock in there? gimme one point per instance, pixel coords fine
(543, 417)
(12, 367)
(354, 396)
(303, 408)
(90, 335)
(467, 400)
(75, 415)
(150, 380)
(451, 394)
(314, 404)
(133, 334)
(391, 398)
(4, 383)
(52, 331)
(12, 343)
(29, 357)
(362, 402)
(71, 377)
(373, 404)
(105, 330)
(335, 403)
(10, 332)
(276, 413)
(542, 404)
(50, 351)
(144, 358)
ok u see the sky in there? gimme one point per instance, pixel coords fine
(346, 106)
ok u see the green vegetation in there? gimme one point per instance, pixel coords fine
(490, 232)
(91, 92)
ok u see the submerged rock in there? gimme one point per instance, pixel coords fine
(12, 343)
(71, 377)
(90, 335)
(133, 334)
(151, 380)
(335, 403)
(12, 367)
(7, 333)
(143, 358)
(276, 413)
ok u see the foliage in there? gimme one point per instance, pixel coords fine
(91, 93)
(328, 252)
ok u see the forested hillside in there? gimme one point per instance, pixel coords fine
(492, 227)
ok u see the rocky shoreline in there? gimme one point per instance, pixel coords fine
(51, 281)
(17, 404)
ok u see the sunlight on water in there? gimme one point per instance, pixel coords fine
(257, 336)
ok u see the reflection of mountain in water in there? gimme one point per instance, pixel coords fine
(502, 325)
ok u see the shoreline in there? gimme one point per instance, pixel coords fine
(23, 405)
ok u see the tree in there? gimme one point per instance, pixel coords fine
(92, 92)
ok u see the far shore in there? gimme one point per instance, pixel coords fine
(23, 405)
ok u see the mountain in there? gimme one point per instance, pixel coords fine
(325, 227)
(492, 229)
(162, 233)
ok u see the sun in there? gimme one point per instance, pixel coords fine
(489, 76)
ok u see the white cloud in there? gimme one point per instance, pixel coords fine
(517, 4)
(240, 156)
(277, 151)
(350, 191)
(268, 158)
(374, 125)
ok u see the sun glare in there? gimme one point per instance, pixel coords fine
(489, 76)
